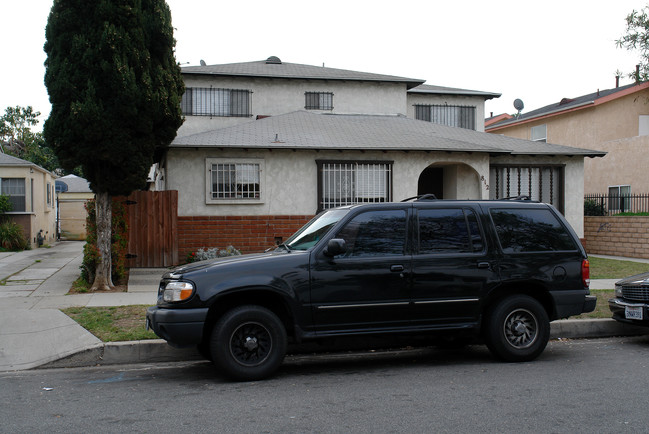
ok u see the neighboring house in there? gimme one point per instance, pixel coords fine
(31, 191)
(615, 121)
(72, 193)
(282, 142)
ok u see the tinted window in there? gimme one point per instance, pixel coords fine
(375, 233)
(530, 230)
(448, 230)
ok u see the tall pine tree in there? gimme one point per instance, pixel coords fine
(115, 89)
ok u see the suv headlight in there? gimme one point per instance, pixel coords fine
(177, 291)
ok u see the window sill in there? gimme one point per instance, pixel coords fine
(235, 202)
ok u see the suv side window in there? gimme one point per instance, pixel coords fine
(530, 230)
(375, 233)
(448, 231)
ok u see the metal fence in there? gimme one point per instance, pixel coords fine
(612, 204)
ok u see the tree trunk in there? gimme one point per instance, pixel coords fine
(103, 212)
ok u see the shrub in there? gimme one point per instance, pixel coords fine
(12, 236)
(212, 253)
(592, 208)
(5, 204)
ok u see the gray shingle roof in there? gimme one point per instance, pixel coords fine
(75, 184)
(294, 71)
(441, 90)
(307, 130)
(573, 103)
(8, 160)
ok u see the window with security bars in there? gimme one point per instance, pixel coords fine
(235, 181)
(540, 183)
(15, 189)
(318, 100)
(347, 182)
(201, 101)
(450, 115)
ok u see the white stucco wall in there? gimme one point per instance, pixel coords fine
(289, 181)
(278, 96)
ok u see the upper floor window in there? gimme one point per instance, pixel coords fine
(202, 101)
(347, 182)
(450, 115)
(15, 189)
(318, 100)
(539, 133)
(234, 180)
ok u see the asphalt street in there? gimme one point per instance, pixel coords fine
(576, 386)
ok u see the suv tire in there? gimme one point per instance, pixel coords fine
(248, 343)
(517, 329)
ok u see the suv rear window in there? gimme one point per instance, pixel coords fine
(530, 230)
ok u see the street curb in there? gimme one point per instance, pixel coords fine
(157, 350)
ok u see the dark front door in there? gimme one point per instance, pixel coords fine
(366, 287)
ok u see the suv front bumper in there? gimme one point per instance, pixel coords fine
(179, 327)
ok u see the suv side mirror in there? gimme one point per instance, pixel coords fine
(335, 246)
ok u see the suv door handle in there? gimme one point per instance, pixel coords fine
(484, 265)
(396, 268)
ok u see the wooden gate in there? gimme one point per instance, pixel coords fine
(152, 229)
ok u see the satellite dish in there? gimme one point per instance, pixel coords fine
(518, 105)
(203, 63)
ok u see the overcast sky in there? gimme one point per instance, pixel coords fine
(539, 52)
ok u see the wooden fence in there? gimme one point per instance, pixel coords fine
(153, 229)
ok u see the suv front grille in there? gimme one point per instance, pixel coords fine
(636, 293)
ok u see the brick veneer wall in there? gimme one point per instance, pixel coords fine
(617, 236)
(249, 234)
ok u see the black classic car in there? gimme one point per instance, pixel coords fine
(631, 302)
(498, 271)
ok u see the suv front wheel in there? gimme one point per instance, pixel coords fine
(248, 343)
(517, 329)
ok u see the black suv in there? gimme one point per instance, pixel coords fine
(499, 271)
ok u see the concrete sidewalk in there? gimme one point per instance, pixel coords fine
(35, 333)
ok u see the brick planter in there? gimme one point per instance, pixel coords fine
(617, 236)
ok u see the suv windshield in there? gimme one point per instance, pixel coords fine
(313, 231)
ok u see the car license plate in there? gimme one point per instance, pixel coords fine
(633, 312)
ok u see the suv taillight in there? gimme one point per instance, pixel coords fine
(585, 273)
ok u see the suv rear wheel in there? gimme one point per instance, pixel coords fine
(517, 329)
(248, 343)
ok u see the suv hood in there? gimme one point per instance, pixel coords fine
(210, 263)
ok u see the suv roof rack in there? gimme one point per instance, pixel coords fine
(519, 197)
(429, 196)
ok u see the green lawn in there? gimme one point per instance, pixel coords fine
(601, 268)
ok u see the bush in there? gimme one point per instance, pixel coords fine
(592, 208)
(12, 236)
(212, 253)
(5, 204)
(119, 243)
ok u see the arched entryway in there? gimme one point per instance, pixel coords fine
(450, 181)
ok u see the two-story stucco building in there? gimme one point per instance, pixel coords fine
(268, 144)
(615, 121)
